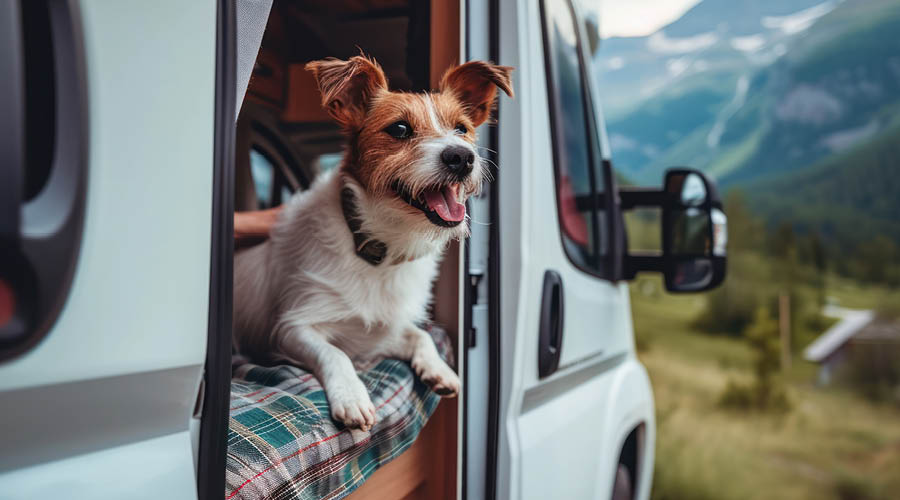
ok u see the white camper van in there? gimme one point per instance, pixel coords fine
(121, 167)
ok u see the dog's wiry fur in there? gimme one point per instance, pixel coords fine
(305, 295)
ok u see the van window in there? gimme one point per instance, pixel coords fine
(576, 155)
(263, 177)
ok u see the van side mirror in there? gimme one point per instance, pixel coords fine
(694, 231)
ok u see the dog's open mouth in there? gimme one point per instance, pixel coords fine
(440, 204)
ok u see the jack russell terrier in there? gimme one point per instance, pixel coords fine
(347, 272)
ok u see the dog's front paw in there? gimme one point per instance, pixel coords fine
(352, 407)
(438, 376)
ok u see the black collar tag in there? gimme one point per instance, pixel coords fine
(367, 248)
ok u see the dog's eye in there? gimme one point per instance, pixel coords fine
(400, 130)
(462, 129)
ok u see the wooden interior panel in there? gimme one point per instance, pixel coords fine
(416, 494)
(419, 473)
(303, 101)
(445, 32)
(402, 478)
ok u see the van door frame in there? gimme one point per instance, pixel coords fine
(478, 331)
(217, 376)
(494, 352)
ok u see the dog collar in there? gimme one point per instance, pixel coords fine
(367, 248)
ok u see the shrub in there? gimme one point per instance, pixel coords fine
(675, 480)
(737, 396)
(766, 392)
(730, 308)
(755, 396)
(850, 487)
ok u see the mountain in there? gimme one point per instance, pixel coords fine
(849, 199)
(713, 36)
(752, 89)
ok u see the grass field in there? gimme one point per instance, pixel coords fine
(832, 444)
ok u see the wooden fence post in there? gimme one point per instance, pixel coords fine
(784, 325)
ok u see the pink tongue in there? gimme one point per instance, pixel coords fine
(444, 202)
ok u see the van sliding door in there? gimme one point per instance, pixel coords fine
(102, 405)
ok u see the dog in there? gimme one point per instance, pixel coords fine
(346, 274)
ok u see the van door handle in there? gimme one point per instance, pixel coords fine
(43, 101)
(551, 325)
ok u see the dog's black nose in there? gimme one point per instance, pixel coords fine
(459, 159)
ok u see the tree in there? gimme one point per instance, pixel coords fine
(767, 390)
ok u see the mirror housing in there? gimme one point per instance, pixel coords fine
(694, 232)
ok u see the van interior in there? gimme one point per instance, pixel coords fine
(284, 139)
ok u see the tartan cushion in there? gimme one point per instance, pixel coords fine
(283, 444)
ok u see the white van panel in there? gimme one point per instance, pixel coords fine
(560, 436)
(561, 444)
(143, 470)
(566, 445)
(597, 321)
(140, 294)
(121, 366)
(629, 405)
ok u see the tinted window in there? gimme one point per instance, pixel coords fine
(576, 156)
(263, 177)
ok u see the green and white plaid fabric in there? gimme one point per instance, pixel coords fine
(283, 444)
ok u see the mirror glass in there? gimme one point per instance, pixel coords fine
(688, 187)
(690, 232)
(689, 275)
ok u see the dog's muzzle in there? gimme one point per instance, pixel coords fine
(440, 203)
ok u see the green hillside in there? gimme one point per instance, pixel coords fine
(820, 100)
(852, 200)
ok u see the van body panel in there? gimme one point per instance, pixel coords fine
(140, 293)
(629, 406)
(143, 470)
(560, 436)
(134, 326)
(569, 445)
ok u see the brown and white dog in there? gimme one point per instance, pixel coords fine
(346, 275)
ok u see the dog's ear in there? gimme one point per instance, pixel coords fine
(347, 87)
(475, 85)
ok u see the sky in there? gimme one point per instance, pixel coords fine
(637, 17)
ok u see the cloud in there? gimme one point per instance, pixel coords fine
(660, 43)
(619, 142)
(750, 43)
(678, 66)
(615, 63)
(636, 17)
(801, 20)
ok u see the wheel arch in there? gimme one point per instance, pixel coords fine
(631, 428)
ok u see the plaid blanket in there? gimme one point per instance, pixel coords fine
(283, 444)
